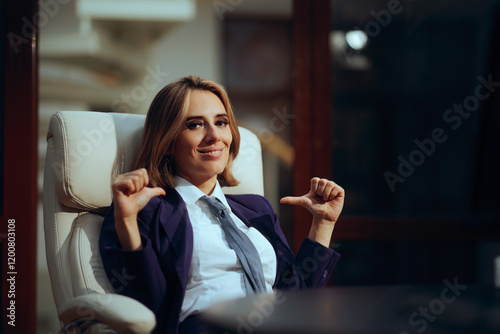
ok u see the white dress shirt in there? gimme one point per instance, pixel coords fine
(216, 273)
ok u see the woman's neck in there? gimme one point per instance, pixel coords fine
(205, 185)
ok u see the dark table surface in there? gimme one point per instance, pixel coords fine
(448, 308)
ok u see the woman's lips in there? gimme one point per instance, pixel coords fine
(215, 153)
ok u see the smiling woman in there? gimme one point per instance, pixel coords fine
(189, 246)
(186, 96)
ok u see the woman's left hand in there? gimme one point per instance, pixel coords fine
(324, 200)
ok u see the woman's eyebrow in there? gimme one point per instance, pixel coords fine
(201, 117)
(194, 117)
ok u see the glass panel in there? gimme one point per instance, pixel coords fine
(257, 70)
(411, 86)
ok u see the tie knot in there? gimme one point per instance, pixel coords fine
(215, 206)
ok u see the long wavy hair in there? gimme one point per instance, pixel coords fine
(164, 121)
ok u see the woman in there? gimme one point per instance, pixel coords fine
(163, 235)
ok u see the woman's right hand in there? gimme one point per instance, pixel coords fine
(130, 195)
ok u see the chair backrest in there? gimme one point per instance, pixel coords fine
(85, 152)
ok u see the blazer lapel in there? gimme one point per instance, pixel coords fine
(175, 222)
(253, 219)
(239, 213)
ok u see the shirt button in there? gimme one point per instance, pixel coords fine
(325, 273)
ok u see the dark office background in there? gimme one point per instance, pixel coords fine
(398, 89)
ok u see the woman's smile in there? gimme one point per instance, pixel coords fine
(212, 153)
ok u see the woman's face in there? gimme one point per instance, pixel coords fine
(201, 149)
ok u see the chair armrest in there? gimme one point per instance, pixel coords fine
(123, 314)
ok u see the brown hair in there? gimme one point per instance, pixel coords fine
(165, 119)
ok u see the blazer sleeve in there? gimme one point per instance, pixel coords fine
(136, 274)
(311, 267)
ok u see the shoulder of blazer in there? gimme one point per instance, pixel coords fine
(255, 203)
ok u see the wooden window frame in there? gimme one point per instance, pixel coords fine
(20, 161)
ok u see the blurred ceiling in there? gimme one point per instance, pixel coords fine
(98, 43)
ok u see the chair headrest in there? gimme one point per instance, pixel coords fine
(92, 148)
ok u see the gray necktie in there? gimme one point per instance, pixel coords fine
(242, 245)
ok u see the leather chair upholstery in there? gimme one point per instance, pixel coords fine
(85, 152)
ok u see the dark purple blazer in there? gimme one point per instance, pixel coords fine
(157, 274)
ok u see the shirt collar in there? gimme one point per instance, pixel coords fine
(190, 194)
(219, 194)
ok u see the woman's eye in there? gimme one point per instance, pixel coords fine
(222, 123)
(194, 125)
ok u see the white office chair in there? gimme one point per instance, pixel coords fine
(85, 152)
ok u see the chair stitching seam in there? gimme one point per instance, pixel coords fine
(58, 243)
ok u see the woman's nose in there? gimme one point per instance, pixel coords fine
(212, 134)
